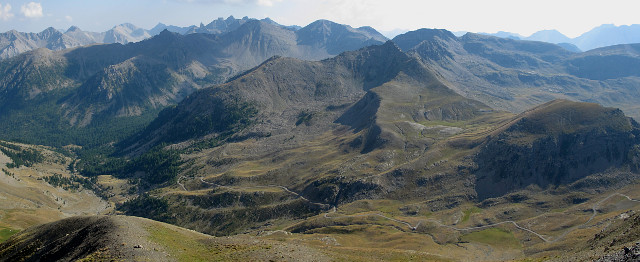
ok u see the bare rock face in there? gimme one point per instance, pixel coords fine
(556, 143)
(626, 254)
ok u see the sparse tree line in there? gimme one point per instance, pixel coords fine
(71, 183)
(19, 156)
(6, 172)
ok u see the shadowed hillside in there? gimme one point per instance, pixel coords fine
(555, 143)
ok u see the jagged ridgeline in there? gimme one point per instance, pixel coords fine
(102, 93)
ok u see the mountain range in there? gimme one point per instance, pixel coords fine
(601, 36)
(325, 142)
(78, 86)
(13, 43)
(515, 75)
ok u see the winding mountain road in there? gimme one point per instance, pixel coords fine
(334, 210)
(594, 208)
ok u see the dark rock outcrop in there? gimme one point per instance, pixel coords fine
(556, 143)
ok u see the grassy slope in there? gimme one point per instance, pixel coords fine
(496, 237)
(98, 238)
(28, 200)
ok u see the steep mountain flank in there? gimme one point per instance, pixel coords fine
(556, 143)
(607, 63)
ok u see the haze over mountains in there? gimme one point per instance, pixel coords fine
(13, 43)
(515, 75)
(320, 141)
(601, 36)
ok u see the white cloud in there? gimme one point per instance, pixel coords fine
(68, 18)
(32, 10)
(5, 12)
(267, 2)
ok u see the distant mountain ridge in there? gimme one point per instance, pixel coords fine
(514, 75)
(601, 36)
(13, 42)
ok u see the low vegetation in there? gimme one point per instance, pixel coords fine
(496, 237)
(6, 233)
(468, 212)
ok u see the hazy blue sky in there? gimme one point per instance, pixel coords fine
(525, 17)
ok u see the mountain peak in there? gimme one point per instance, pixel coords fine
(166, 34)
(269, 20)
(550, 36)
(391, 46)
(605, 26)
(49, 30)
(159, 25)
(73, 28)
(320, 22)
(411, 39)
(127, 25)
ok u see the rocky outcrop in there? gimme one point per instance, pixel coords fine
(556, 143)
